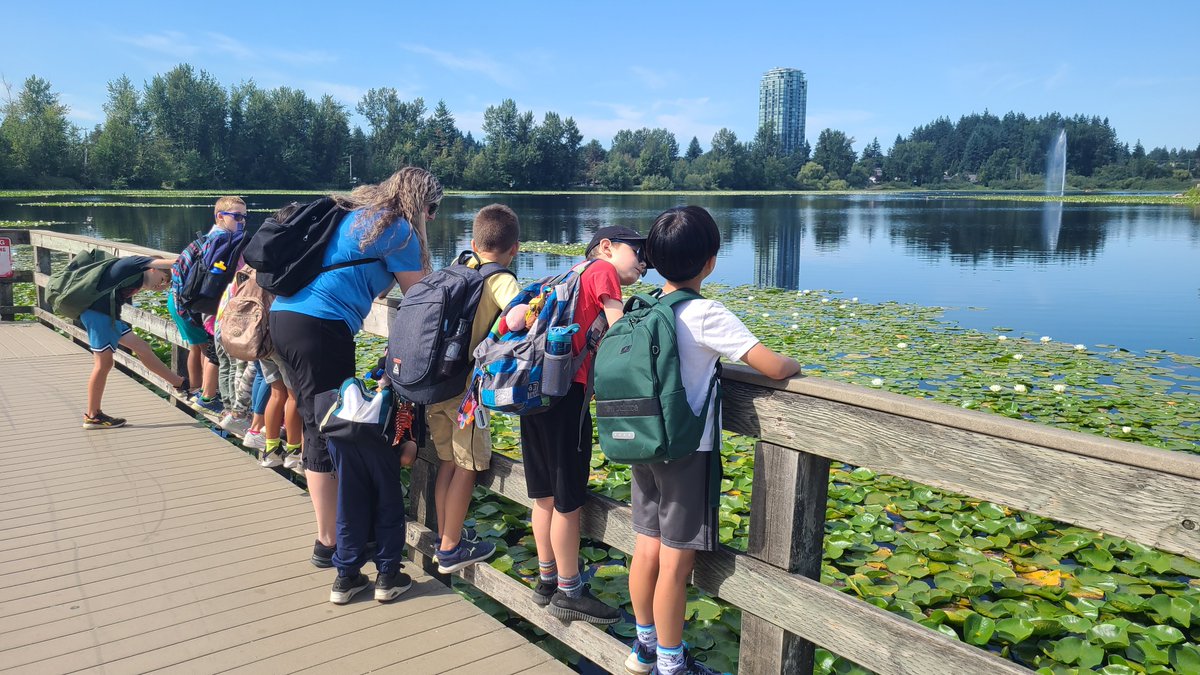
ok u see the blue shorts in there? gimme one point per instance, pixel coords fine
(191, 333)
(103, 331)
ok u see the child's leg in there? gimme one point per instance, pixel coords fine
(543, 513)
(445, 474)
(388, 508)
(196, 365)
(670, 593)
(354, 506)
(226, 371)
(643, 575)
(564, 538)
(273, 415)
(141, 349)
(212, 371)
(292, 422)
(102, 363)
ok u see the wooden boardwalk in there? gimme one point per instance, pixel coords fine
(162, 547)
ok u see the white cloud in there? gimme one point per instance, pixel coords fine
(683, 117)
(170, 43)
(652, 79)
(475, 63)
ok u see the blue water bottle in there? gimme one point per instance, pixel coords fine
(557, 372)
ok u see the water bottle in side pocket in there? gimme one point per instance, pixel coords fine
(557, 371)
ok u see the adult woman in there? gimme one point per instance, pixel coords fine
(314, 329)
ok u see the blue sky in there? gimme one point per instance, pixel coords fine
(874, 69)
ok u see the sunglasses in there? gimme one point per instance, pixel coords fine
(637, 247)
(233, 214)
(431, 211)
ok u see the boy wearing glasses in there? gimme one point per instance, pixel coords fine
(557, 444)
(229, 216)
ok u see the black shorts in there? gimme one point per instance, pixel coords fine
(319, 354)
(556, 446)
(676, 501)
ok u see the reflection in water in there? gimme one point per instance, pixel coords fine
(1051, 224)
(777, 252)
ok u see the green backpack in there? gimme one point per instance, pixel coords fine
(76, 287)
(642, 410)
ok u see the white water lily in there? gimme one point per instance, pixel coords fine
(805, 292)
(1045, 338)
(750, 298)
(877, 382)
(853, 299)
(766, 314)
(1001, 338)
(996, 388)
(1126, 430)
(795, 314)
(1017, 357)
(842, 306)
(833, 329)
(1019, 388)
(1060, 388)
(825, 300)
(901, 345)
(795, 326)
(1080, 348)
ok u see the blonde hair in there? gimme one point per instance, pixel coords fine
(226, 203)
(406, 194)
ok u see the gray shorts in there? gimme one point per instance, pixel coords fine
(274, 370)
(676, 501)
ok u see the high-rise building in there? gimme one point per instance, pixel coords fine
(782, 102)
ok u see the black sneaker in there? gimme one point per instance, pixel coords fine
(345, 588)
(102, 421)
(322, 555)
(185, 388)
(468, 535)
(543, 591)
(466, 553)
(584, 608)
(691, 666)
(388, 587)
(641, 659)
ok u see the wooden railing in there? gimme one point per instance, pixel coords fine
(1141, 493)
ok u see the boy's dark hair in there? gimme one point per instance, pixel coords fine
(286, 212)
(496, 228)
(681, 241)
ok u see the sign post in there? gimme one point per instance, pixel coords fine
(6, 264)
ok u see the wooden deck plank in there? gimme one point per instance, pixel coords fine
(161, 545)
(457, 654)
(512, 660)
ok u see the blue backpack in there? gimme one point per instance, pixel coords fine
(513, 372)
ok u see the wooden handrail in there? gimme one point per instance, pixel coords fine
(1149, 495)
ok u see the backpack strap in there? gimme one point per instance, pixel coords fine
(485, 268)
(348, 263)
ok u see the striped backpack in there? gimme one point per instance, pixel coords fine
(513, 373)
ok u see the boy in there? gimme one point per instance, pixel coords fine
(105, 331)
(557, 444)
(673, 514)
(462, 453)
(229, 215)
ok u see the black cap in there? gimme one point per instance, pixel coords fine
(613, 232)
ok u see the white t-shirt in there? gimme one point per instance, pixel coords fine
(706, 331)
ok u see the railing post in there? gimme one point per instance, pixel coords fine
(787, 530)
(41, 261)
(421, 483)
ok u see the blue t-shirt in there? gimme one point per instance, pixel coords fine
(346, 293)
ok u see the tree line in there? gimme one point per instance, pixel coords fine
(185, 129)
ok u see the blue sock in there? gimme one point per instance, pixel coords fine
(572, 587)
(670, 659)
(647, 636)
(548, 572)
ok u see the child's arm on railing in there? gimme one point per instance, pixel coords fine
(771, 363)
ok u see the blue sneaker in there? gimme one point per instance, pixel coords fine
(212, 405)
(467, 553)
(642, 659)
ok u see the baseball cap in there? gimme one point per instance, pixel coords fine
(615, 232)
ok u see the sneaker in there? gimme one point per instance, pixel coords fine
(272, 459)
(345, 588)
(293, 460)
(690, 665)
(642, 659)
(468, 535)
(543, 591)
(467, 553)
(184, 389)
(388, 587)
(212, 405)
(102, 421)
(584, 608)
(322, 555)
(235, 423)
(255, 439)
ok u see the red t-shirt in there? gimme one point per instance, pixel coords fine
(599, 281)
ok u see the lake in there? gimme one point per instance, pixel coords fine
(1118, 275)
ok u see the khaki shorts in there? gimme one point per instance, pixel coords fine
(470, 448)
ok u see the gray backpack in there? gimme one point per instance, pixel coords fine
(429, 355)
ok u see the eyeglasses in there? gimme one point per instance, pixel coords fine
(232, 214)
(431, 210)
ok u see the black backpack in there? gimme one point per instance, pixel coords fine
(210, 273)
(429, 355)
(288, 255)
